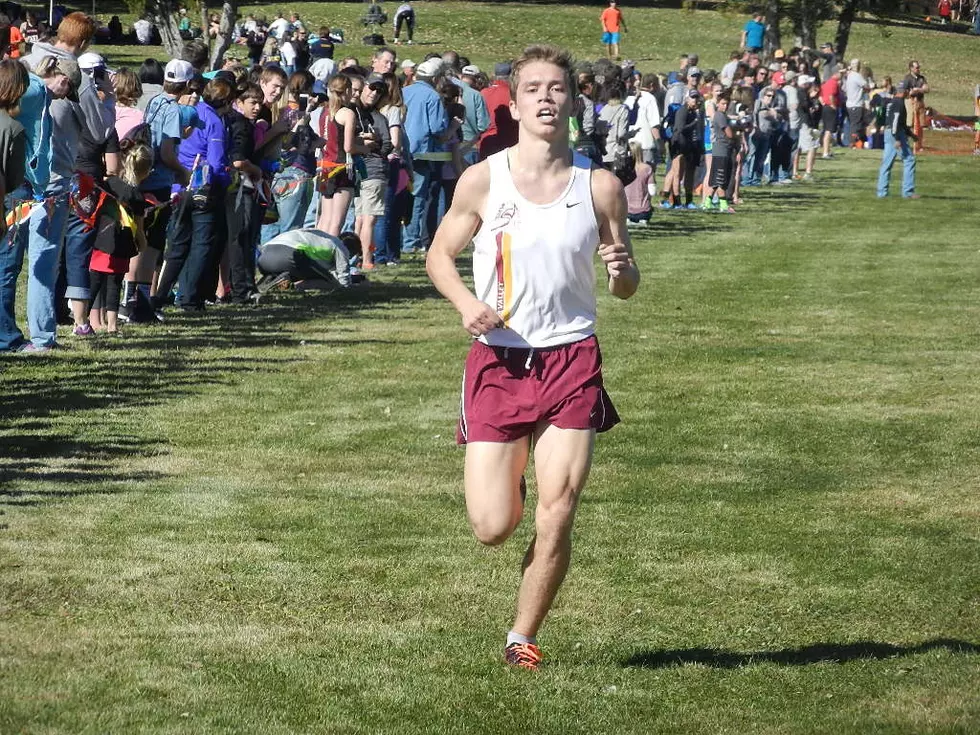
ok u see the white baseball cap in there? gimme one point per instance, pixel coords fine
(90, 60)
(470, 70)
(430, 68)
(178, 70)
(408, 64)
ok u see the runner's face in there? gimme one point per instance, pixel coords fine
(544, 101)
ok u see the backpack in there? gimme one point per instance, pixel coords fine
(139, 134)
(669, 118)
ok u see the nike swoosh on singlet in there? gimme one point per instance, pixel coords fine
(569, 205)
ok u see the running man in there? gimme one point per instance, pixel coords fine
(537, 213)
(612, 20)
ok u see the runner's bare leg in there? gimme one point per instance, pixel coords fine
(562, 460)
(492, 478)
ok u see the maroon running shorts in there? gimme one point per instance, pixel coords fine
(507, 391)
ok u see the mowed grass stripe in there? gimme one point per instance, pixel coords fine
(254, 520)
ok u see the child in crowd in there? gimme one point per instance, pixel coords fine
(722, 137)
(244, 210)
(119, 234)
(639, 191)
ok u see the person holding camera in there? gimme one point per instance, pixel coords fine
(368, 143)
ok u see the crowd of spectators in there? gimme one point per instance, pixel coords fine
(133, 191)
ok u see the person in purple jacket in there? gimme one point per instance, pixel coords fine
(197, 229)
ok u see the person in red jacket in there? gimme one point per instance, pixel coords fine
(502, 132)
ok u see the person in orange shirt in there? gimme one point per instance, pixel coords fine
(16, 42)
(612, 20)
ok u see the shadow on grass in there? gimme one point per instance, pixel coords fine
(813, 654)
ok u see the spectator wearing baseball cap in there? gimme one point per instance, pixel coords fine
(687, 146)
(81, 108)
(408, 72)
(168, 124)
(897, 134)
(95, 159)
(477, 118)
(425, 123)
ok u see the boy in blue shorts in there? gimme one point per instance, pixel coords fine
(612, 20)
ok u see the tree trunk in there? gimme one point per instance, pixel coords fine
(847, 14)
(229, 12)
(205, 25)
(165, 17)
(805, 15)
(772, 41)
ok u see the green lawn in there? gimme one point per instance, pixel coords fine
(489, 32)
(252, 521)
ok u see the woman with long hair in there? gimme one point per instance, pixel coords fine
(128, 91)
(388, 230)
(336, 185)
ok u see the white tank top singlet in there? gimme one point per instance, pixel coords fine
(534, 263)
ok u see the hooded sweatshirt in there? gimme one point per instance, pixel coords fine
(35, 116)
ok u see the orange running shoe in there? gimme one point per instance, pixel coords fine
(523, 655)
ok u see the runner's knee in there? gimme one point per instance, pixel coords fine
(492, 530)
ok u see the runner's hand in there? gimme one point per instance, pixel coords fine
(478, 318)
(616, 257)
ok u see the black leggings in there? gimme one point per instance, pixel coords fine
(408, 19)
(104, 290)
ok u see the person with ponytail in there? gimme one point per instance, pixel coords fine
(336, 186)
(119, 234)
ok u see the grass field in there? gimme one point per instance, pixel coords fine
(252, 521)
(490, 32)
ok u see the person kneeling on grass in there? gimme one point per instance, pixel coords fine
(304, 255)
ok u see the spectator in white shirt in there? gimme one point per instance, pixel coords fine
(279, 27)
(646, 129)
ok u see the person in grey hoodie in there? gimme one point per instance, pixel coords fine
(82, 107)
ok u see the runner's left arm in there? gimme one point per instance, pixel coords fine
(615, 249)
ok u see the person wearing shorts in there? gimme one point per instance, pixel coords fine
(830, 99)
(720, 172)
(370, 142)
(537, 213)
(612, 21)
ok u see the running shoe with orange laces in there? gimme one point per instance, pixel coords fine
(523, 655)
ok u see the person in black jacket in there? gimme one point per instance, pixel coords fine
(897, 134)
(688, 142)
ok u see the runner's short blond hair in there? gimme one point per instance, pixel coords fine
(549, 54)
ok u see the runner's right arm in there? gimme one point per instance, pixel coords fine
(456, 231)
